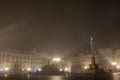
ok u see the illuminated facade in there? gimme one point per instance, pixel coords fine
(25, 61)
(16, 59)
(80, 63)
(106, 58)
(13, 60)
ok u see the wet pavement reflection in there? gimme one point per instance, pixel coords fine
(115, 76)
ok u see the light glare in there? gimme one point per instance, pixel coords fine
(56, 59)
(117, 66)
(39, 69)
(86, 67)
(6, 69)
(61, 70)
(114, 63)
(28, 69)
(66, 69)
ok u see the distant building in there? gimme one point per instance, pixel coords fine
(80, 63)
(103, 57)
(23, 61)
(16, 59)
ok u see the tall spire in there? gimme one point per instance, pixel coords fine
(91, 38)
(91, 43)
(92, 52)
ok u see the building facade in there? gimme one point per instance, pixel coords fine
(14, 60)
(106, 58)
(26, 61)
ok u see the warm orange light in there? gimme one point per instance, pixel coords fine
(118, 67)
(86, 67)
(56, 59)
(39, 69)
(6, 68)
(114, 63)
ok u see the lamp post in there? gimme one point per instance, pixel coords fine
(114, 65)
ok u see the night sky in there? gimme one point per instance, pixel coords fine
(59, 26)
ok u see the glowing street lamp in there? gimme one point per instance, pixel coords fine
(67, 70)
(118, 67)
(86, 67)
(39, 69)
(114, 63)
(56, 59)
(6, 68)
(28, 69)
